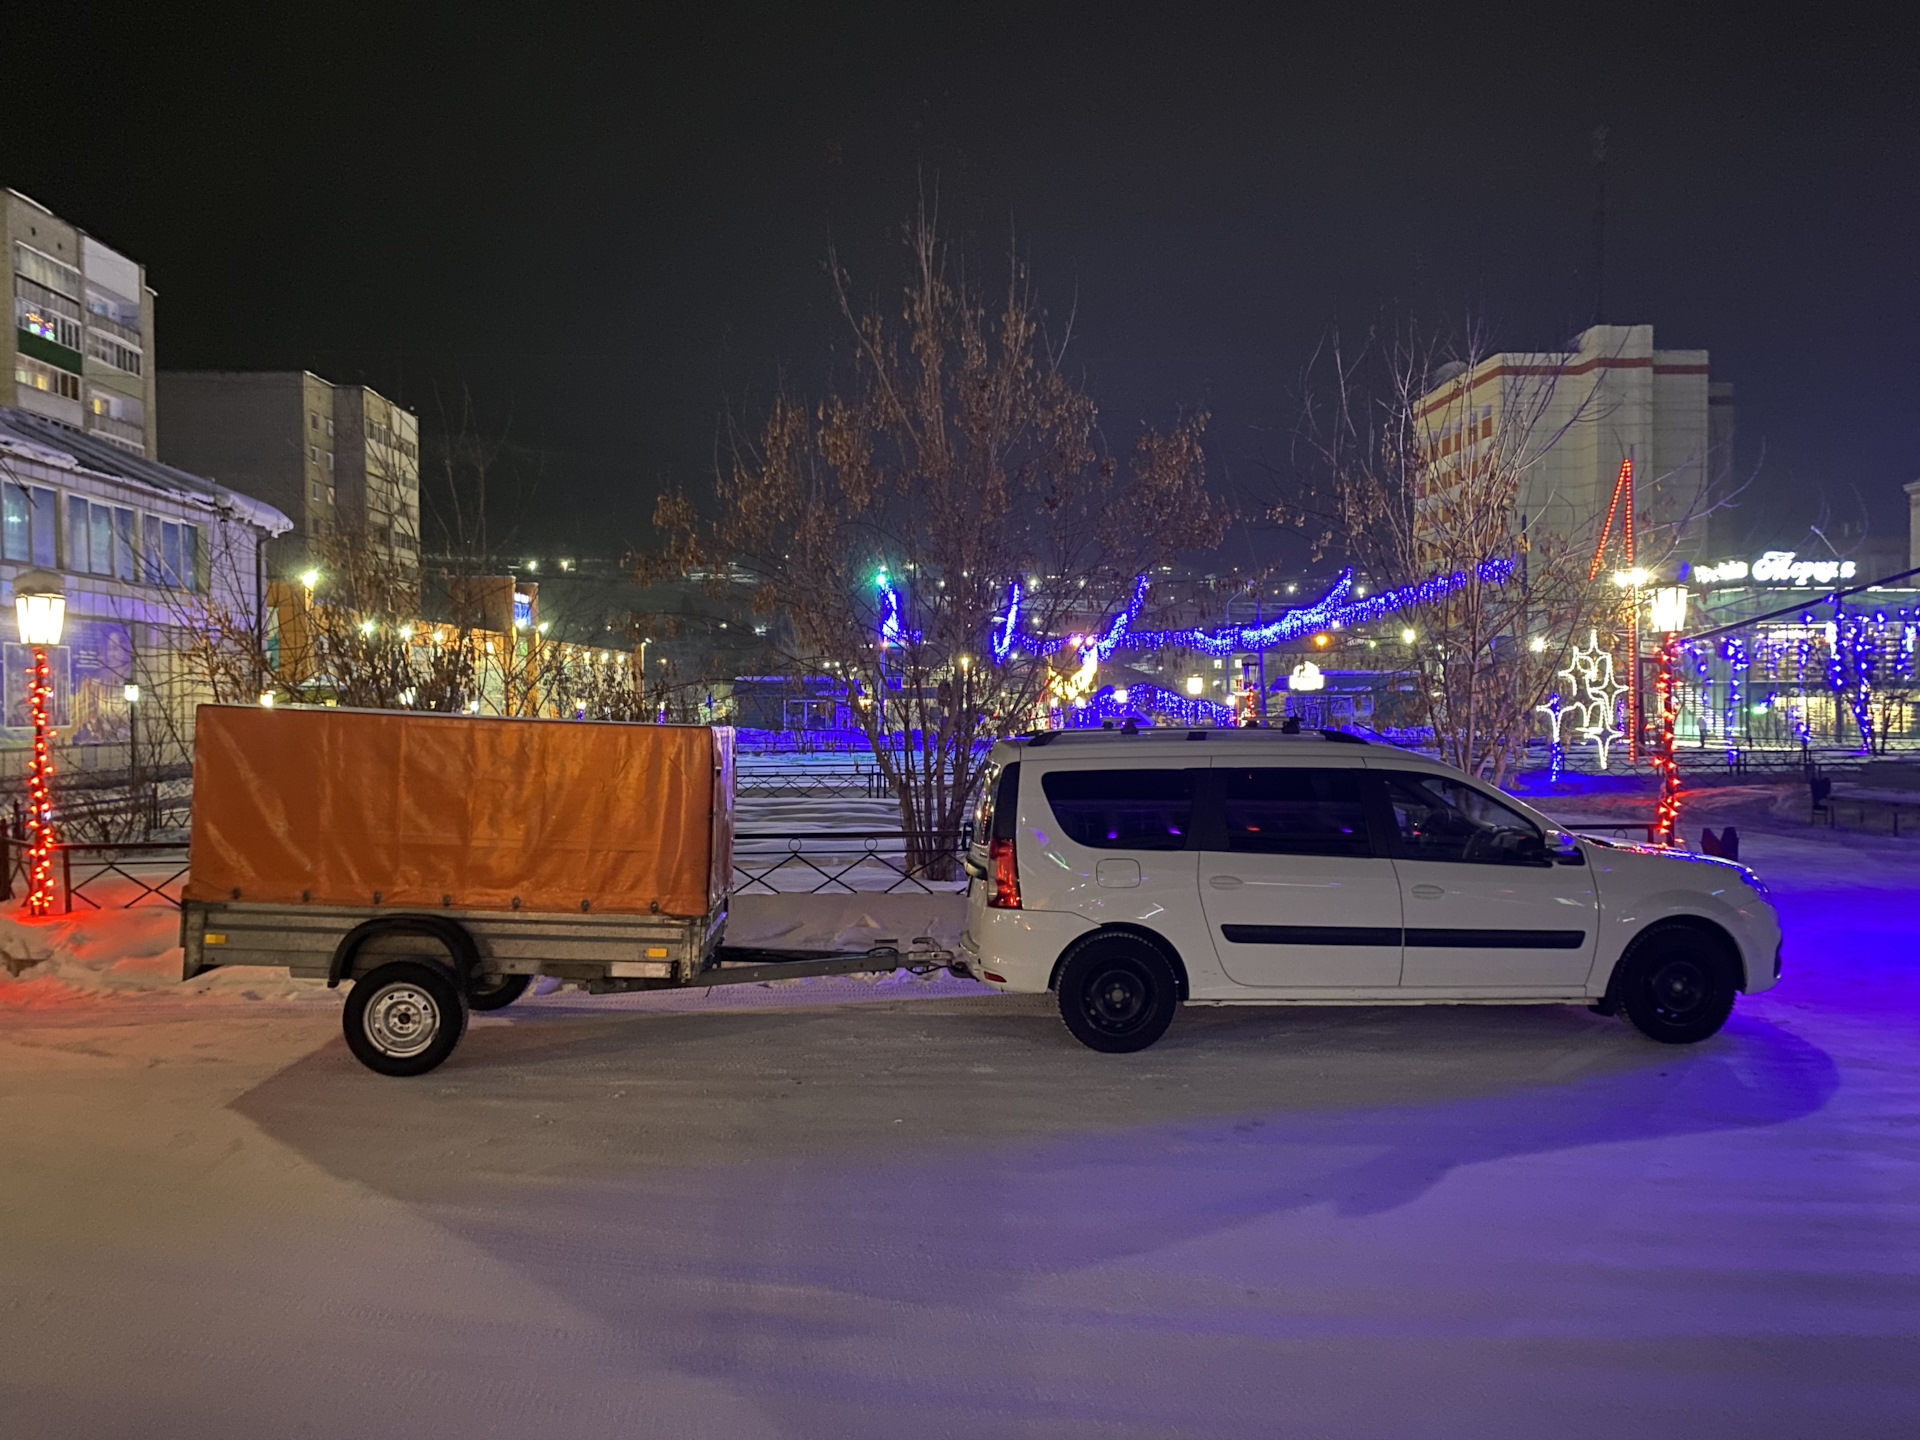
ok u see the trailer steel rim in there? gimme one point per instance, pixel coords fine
(402, 1020)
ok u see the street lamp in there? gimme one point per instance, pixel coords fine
(132, 694)
(1668, 611)
(40, 606)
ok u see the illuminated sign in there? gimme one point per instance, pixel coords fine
(1775, 567)
(1306, 676)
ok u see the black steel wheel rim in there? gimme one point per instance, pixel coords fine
(1679, 989)
(1117, 1000)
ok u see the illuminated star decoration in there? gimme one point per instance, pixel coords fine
(1589, 674)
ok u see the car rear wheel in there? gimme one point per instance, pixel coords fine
(1677, 985)
(404, 1018)
(496, 992)
(1117, 993)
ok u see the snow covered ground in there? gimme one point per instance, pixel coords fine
(779, 1212)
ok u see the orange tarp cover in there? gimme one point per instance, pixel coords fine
(427, 811)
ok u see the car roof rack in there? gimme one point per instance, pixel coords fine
(1034, 739)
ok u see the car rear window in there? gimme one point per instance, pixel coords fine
(1122, 809)
(1294, 810)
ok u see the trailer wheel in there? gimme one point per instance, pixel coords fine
(496, 992)
(404, 1018)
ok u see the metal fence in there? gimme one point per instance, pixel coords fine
(843, 781)
(142, 872)
(94, 876)
(848, 862)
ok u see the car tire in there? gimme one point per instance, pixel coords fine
(496, 992)
(1677, 984)
(1117, 993)
(404, 1018)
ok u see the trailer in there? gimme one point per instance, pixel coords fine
(437, 864)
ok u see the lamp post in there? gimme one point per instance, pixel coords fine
(1669, 614)
(40, 607)
(132, 694)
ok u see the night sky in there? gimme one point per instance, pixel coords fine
(609, 226)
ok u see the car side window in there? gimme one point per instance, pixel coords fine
(995, 812)
(1436, 817)
(1293, 810)
(1122, 809)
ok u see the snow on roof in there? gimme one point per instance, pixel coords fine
(60, 447)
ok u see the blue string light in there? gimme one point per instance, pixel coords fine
(1003, 642)
(1191, 711)
(1332, 610)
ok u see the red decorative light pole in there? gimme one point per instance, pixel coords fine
(40, 606)
(1669, 616)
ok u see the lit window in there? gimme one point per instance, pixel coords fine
(53, 381)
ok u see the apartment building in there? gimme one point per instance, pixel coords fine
(148, 555)
(1571, 417)
(342, 460)
(80, 350)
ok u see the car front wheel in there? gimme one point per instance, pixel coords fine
(1677, 985)
(1117, 993)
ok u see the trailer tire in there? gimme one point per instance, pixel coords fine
(496, 992)
(404, 1018)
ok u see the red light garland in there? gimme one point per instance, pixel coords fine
(1666, 814)
(40, 838)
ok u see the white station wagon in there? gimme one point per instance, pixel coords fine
(1131, 872)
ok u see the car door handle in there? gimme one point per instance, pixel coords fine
(1429, 892)
(1226, 882)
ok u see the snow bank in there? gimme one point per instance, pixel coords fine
(130, 954)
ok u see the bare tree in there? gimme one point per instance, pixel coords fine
(953, 471)
(1411, 479)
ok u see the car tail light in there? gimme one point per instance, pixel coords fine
(1006, 874)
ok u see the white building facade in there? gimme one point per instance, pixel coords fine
(1578, 415)
(149, 555)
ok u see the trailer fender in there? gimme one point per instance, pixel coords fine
(449, 933)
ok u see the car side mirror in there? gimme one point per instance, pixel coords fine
(1566, 850)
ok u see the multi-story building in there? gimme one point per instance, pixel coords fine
(1571, 417)
(342, 460)
(157, 565)
(80, 349)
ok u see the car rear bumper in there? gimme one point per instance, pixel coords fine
(1016, 949)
